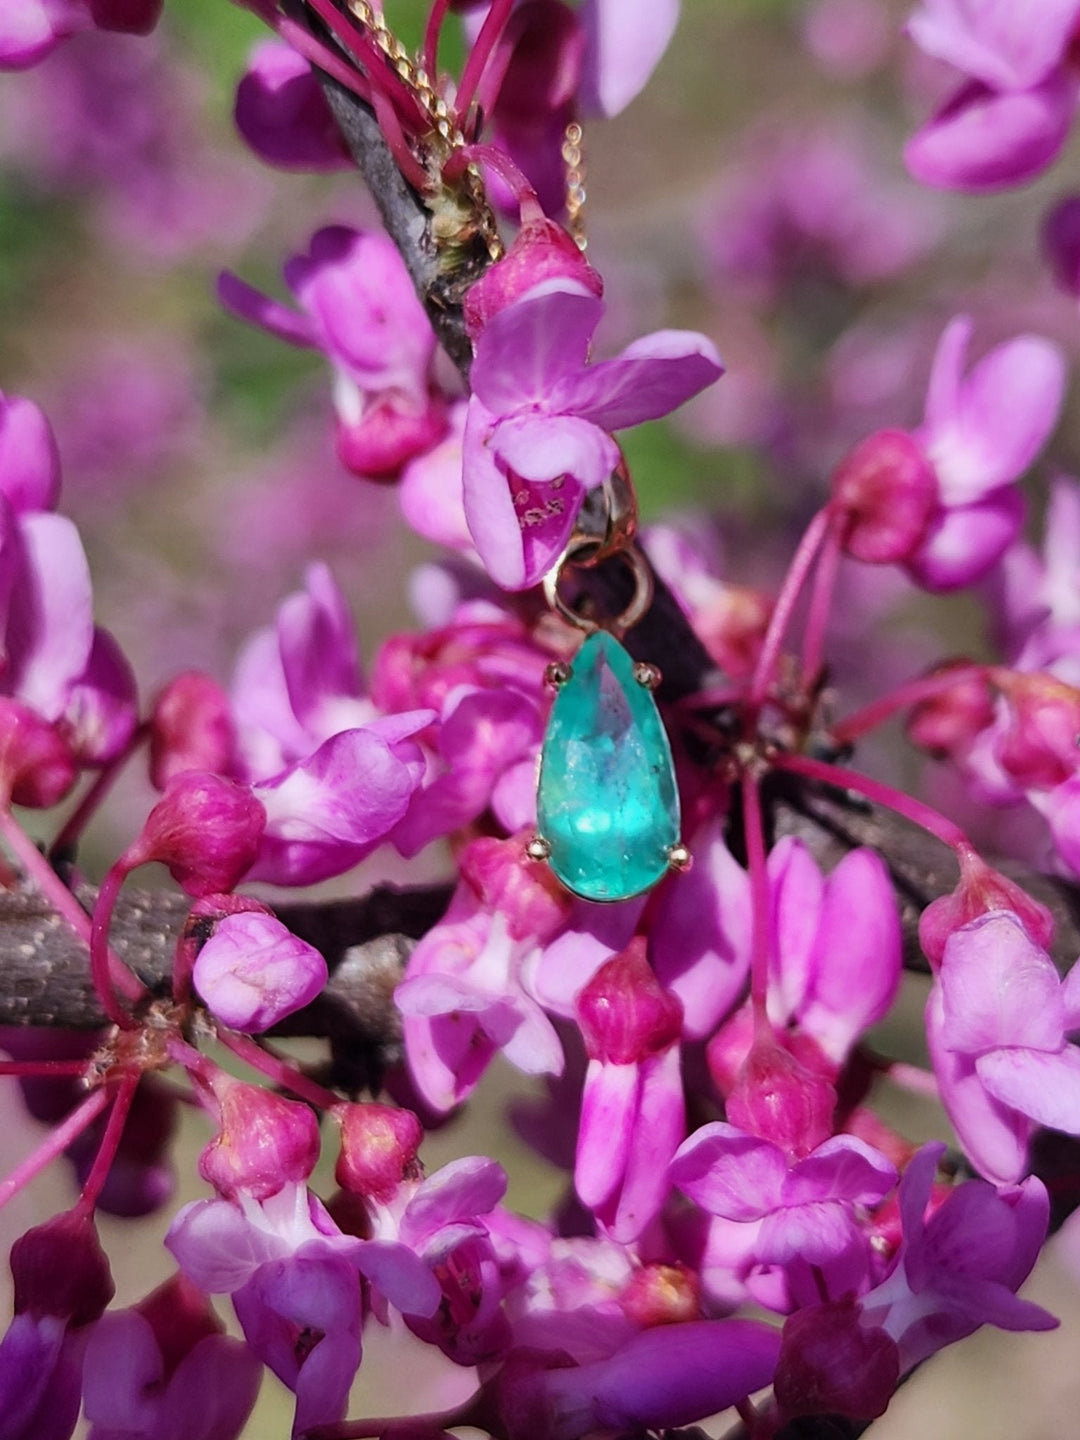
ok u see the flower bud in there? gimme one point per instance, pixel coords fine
(778, 1098)
(1040, 748)
(205, 829)
(37, 767)
(191, 728)
(379, 1146)
(378, 435)
(102, 707)
(946, 724)
(265, 1141)
(888, 491)
(60, 1269)
(831, 1365)
(252, 971)
(624, 1013)
(542, 250)
(506, 882)
(980, 891)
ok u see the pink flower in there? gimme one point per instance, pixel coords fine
(1011, 118)
(536, 437)
(980, 433)
(252, 972)
(360, 309)
(997, 1020)
(164, 1370)
(805, 1215)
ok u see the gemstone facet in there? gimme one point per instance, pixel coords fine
(607, 805)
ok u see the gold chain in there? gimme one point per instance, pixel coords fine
(573, 156)
(449, 134)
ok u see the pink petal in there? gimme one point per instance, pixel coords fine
(249, 304)
(699, 943)
(530, 346)
(994, 1136)
(998, 41)
(982, 140)
(730, 1173)
(815, 1232)
(798, 893)
(843, 1168)
(457, 1193)
(962, 545)
(50, 623)
(856, 966)
(985, 430)
(542, 449)
(606, 1130)
(282, 113)
(660, 1125)
(122, 1373)
(998, 988)
(652, 377)
(29, 461)
(624, 40)
(1044, 1087)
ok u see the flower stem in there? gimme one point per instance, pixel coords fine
(754, 830)
(110, 1143)
(28, 1068)
(278, 1069)
(859, 722)
(432, 32)
(821, 598)
(55, 1143)
(103, 964)
(798, 571)
(53, 889)
(914, 810)
(490, 32)
(76, 823)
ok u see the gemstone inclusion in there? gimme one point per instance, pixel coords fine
(607, 803)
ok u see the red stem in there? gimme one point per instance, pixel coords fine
(821, 598)
(394, 136)
(110, 1144)
(102, 970)
(490, 31)
(381, 77)
(878, 711)
(914, 810)
(46, 880)
(794, 580)
(432, 32)
(54, 1144)
(305, 44)
(278, 1069)
(43, 1067)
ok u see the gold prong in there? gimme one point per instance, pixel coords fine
(679, 858)
(646, 675)
(557, 673)
(538, 848)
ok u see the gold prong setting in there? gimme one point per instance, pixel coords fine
(538, 848)
(646, 675)
(679, 858)
(557, 674)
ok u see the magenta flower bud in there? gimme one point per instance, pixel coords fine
(379, 1146)
(532, 901)
(37, 767)
(1039, 749)
(887, 490)
(253, 971)
(832, 1365)
(205, 829)
(265, 1142)
(542, 250)
(779, 1099)
(60, 1269)
(624, 1013)
(191, 728)
(377, 437)
(945, 725)
(1061, 243)
(980, 891)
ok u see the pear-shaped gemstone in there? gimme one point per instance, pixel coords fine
(607, 804)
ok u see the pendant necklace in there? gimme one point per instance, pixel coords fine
(607, 802)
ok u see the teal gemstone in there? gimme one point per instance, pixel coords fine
(607, 804)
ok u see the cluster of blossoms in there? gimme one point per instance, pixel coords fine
(701, 1051)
